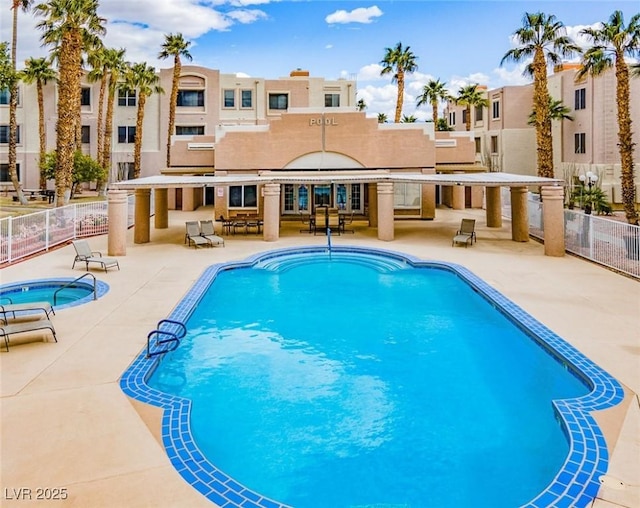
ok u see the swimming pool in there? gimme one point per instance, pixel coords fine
(60, 292)
(577, 463)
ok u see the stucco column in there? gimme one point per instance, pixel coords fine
(458, 196)
(271, 216)
(161, 208)
(117, 210)
(385, 211)
(553, 220)
(142, 225)
(373, 206)
(519, 215)
(428, 196)
(494, 207)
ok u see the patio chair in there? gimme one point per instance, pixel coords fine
(27, 326)
(85, 254)
(207, 231)
(333, 221)
(466, 234)
(192, 235)
(25, 309)
(227, 225)
(320, 223)
(346, 221)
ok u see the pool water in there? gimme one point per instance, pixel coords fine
(44, 291)
(337, 382)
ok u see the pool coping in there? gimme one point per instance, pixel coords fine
(575, 484)
(101, 289)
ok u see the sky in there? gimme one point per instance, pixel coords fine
(459, 42)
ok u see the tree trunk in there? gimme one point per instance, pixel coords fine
(625, 141)
(177, 67)
(103, 88)
(69, 59)
(142, 99)
(468, 119)
(400, 99)
(544, 144)
(434, 107)
(13, 108)
(43, 134)
(108, 136)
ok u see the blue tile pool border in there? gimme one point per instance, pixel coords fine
(101, 288)
(576, 483)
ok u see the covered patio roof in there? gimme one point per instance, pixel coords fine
(325, 177)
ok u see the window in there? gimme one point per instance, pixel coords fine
(580, 142)
(581, 99)
(190, 130)
(479, 112)
(452, 118)
(125, 171)
(331, 100)
(126, 134)
(191, 98)
(126, 97)
(5, 97)
(495, 109)
(278, 101)
(494, 144)
(85, 96)
(406, 195)
(4, 134)
(478, 144)
(243, 196)
(229, 99)
(247, 99)
(4, 172)
(86, 134)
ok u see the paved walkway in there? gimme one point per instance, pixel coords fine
(67, 425)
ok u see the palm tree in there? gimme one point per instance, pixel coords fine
(382, 118)
(361, 105)
(408, 119)
(543, 38)
(399, 61)
(175, 46)
(99, 72)
(470, 96)
(611, 42)
(40, 72)
(13, 101)
(115, 67)
(557, 111)
(142, 77)
(69, 26)
(432, 93)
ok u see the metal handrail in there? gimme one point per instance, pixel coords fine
(95, 289)
(172, 337)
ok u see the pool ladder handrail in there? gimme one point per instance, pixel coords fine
(166, 336)
(95, 290)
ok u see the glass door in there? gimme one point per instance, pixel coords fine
(321, 195)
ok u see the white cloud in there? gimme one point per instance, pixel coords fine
(515, 76)
(247, 16)
(371, 72)
(359, 15)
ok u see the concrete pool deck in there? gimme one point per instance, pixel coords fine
(67, 425)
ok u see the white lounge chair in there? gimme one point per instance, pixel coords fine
(192, 235)
(27, 326)
(207, 230)
(85, 254)
(25, 308)
(466, 234)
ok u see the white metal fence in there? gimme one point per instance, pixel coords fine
(604, 241)
(610, 243)
(29, 234)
